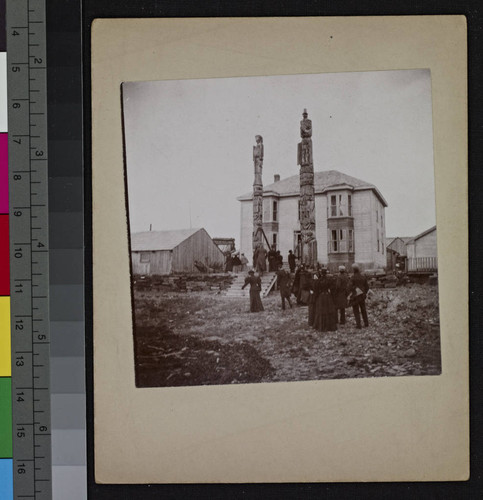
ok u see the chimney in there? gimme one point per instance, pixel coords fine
(276, 177)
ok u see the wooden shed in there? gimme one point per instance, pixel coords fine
(422, 252)
(396, 251)
(166, 252)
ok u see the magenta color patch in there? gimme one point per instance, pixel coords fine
(4, 173)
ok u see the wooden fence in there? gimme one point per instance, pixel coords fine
(422, 264)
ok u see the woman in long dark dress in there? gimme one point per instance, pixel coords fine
(255, 287)
(324, 315)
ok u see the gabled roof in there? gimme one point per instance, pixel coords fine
(420, 235)
(323, 181)
(160, 240)
(392, 239)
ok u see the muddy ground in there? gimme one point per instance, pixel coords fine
(201, 338)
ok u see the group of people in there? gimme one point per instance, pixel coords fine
(274, 258)
(235, 262)
(327, 297)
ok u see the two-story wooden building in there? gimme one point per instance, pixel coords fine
(349, 213)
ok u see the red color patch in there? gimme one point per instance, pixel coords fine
(4, 253)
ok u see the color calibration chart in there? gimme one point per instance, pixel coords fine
(42, 388)
(6, 462)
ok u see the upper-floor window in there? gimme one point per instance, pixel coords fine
(333, 205)
(275, 211)
(274, 241)
(340, 205)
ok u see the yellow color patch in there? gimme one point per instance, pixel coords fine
(5, 355)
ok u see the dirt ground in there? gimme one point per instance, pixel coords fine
(201, 338)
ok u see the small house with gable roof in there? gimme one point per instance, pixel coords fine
(422, 252)
(166, 252)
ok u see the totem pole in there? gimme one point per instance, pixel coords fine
(307, 193)
(258, 193)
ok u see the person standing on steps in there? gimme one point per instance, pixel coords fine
(236, 263)
(291, 261)
(261, 260)
(272, 259)
(244, 263)
(358, 288)
(255, 287)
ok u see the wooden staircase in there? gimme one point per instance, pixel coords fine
(235, 290)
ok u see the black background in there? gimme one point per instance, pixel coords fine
(66, 17)
(3, 32)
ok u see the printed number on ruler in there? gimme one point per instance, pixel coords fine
(27, 102)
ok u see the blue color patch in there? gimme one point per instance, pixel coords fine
(6, 479)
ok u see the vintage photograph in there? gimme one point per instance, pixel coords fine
(282, 228)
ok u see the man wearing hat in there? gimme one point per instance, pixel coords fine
(283, 283)
(340, 295)
(358, 288)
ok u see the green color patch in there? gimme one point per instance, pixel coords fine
(5, 417)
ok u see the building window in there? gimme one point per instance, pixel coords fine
(275, 211)
(341, 240)
(340, 206)
(377, 215)
(274, 241)
(334, 243)
(377, 231)
(145, 257)
(333, 205)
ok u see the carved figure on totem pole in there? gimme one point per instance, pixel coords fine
(305, 126)
(307, 192)
(257, 192)
(257, 211)
(258, 155)
(305, 147)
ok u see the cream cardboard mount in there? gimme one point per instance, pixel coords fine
(385, 429)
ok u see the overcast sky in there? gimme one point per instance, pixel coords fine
(189, 143)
